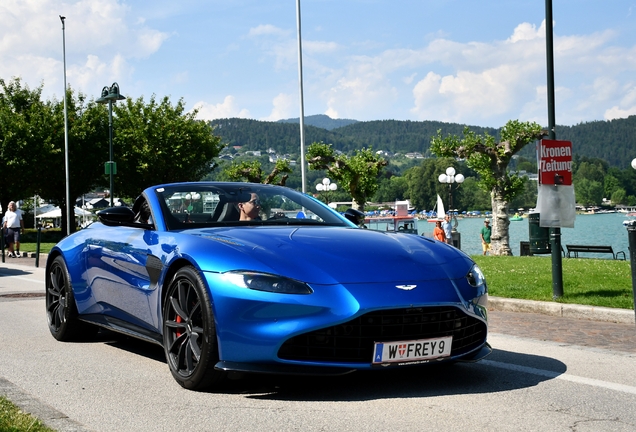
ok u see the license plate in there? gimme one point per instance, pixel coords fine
(412, 351)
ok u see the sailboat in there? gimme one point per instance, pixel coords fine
(441, 214)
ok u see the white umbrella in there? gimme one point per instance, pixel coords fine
(57, 213)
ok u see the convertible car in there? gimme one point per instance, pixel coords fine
(264, 279)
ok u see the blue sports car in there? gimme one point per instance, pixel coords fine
(261, 278)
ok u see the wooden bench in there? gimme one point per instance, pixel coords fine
(575, 249)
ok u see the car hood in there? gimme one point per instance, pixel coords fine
(328, 255)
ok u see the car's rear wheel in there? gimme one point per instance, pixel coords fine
(61, 310)
(189, 332)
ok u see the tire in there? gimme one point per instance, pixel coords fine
(189, 332)
(61, 310)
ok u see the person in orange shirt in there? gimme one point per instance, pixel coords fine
(438, 232)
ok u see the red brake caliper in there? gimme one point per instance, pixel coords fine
(178, 320)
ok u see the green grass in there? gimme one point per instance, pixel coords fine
(586, 281)
(12, 419)
(31, 247)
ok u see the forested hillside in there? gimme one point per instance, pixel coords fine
(613, 141)
(321, 121)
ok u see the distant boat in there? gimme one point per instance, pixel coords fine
(401, 221)
(441, 214)
(516, 217)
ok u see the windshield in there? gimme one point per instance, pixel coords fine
(194, 205)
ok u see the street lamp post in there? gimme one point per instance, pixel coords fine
(450, 177)
(326, 186)
(631, 237)
(110, 95)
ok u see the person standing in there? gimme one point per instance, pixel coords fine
(438, 232)
(448, 229)
(485, 233)
(13, 224)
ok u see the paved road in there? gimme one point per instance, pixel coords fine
(547, 372)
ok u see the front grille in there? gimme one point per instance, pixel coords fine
(353, 341)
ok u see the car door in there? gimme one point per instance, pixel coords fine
(122, 270)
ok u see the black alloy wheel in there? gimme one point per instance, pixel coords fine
(189, 332)
(61, 311)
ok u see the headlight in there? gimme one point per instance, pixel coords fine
(476, 277)
(267, 282)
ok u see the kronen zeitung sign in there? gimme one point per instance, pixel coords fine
(555, 162)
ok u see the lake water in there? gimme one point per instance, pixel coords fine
(605, 229)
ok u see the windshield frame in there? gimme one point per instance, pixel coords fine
(300, 209)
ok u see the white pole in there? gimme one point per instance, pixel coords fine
(68, 191)
(302, 106)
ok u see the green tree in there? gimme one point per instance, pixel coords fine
(158, 142)
(391, 189)
(610, 185)
(527, 197)
(28, 133)
(490, 160)
(619, 196)
(87, 152)
(423, 183)
(474, 197)
(588, 192)
(252, 172)
(357, 173)
(590, 170)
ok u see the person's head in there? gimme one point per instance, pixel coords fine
(447, 218)
(12, 205)
(250, 209)
(438, 223)
(487, 222)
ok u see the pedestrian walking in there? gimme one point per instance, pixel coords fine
(485, 233)
(13, 224)
(438, 232)
(448, 229)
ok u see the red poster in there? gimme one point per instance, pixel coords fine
(555, 162)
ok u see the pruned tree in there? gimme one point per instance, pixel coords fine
(490, 160)
(253, 172)
(358, 173)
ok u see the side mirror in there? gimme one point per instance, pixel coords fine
(355, 216)
(116, 216)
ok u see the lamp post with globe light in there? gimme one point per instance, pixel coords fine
(110, 95)
(326, 186)
(450, 177)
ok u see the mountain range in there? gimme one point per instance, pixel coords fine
(613, 141)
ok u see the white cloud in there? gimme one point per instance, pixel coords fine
(626, 107)
(527, 31)
(268, 30)
(226, 109)
(102, 38)
(319, 47)
(283, 107)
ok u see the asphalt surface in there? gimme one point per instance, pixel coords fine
(591, 327)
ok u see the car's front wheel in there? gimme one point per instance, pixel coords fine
(189, 332)
(61, 311)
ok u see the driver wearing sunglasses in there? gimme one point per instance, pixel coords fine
(249, 210)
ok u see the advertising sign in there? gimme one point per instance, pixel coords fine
(555, 162)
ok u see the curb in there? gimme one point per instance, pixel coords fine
(48, 415)
(594, 313)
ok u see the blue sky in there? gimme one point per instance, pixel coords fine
(466, 61)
